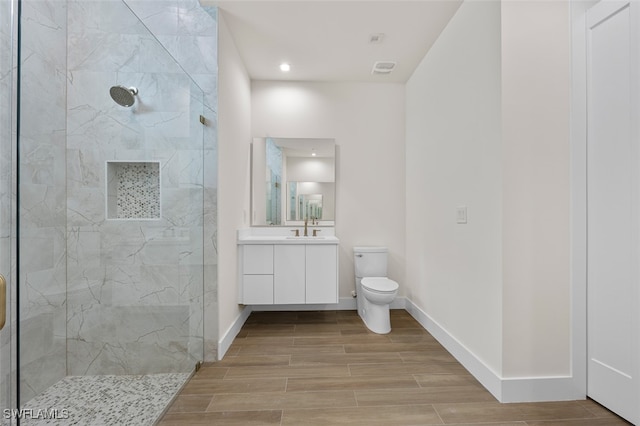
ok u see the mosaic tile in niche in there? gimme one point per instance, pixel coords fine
(135, 189)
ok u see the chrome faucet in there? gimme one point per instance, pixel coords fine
(306, 234)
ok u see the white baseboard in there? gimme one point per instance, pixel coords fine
(225, 342)
(513, 389)
(540, 389)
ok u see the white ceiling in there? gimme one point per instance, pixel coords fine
(329, 40)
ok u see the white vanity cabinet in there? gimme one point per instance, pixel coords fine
(288, 273)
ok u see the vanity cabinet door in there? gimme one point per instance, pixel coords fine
(258, 289)
(322, 274)
(289, 274)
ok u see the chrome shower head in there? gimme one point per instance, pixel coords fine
(123, 96)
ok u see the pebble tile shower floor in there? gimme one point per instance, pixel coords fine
(325, 368)
(107, 400)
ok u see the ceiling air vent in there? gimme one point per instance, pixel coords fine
(383, 67)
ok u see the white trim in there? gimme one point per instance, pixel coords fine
(227, 339)
(578, 155)
(514, 389)
(540, 389)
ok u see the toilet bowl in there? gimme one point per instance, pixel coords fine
(374, 290)
(379, 292)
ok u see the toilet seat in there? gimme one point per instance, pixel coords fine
(381, 285)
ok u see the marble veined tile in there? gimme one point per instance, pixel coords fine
(104, 51)
(154, 57)
(198, 57)
(160, 16)
(102, 17)
(195, 20)
(42, 162)
(129, 340)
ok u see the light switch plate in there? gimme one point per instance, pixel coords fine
(461, 214)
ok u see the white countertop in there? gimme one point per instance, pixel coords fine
(284, 235)
(280, 239)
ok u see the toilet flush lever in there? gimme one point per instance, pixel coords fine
(358, 255)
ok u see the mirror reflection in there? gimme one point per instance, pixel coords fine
(293, 180)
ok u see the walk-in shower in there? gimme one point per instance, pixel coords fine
(105, 240)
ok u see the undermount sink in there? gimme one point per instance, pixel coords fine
(304, 238)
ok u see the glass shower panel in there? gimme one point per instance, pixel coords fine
(112, 200)
(7, 142)
(42, 191)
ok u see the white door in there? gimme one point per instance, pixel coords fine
(613, 217)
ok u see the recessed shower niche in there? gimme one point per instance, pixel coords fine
(133, 190)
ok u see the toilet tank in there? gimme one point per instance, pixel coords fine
(370, 261)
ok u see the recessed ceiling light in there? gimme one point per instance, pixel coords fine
(284, 67)
(376, 38)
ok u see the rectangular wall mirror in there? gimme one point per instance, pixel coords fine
(293, 180)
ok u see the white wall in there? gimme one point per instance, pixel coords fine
(234, 139)
(367, 122)
(535, 110)
(488, 127)
(453, 158)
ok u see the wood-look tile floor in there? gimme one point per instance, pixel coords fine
(326, 368)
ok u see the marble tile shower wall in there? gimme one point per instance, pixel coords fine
(132, 299)
(42, 190)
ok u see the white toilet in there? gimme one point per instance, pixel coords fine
(373, 289)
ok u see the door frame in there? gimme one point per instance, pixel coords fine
(578, 155)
